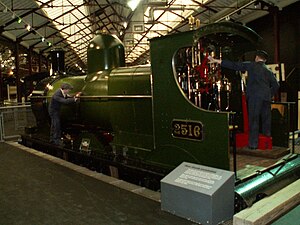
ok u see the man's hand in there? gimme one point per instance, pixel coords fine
(76, 97)
(78, 94)
(213, 60)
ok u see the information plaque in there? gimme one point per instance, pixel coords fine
(199, 193)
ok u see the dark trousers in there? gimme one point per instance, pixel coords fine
(258, 109)
(55, 130)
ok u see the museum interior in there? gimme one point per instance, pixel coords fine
(150, 112)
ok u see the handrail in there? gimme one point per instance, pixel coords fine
(103, 96)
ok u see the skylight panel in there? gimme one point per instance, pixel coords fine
(66, 19)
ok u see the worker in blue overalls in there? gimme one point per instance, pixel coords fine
(261, 87)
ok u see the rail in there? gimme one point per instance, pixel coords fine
(102, 96)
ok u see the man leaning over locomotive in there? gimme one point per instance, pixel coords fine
(60, 97)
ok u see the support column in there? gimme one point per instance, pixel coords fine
(298, 110)
(29, 57)
(47, 63)
(17, 64)
(276, 30)
(40, 63)
(28, 85)
(1, 85)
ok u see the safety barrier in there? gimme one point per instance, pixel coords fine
(14, 119)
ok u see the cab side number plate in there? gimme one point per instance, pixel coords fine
(187, 129)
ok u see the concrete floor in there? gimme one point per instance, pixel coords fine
(38, 191)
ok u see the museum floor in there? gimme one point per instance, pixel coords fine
(40, 189)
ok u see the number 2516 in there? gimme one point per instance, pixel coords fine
(187, 130)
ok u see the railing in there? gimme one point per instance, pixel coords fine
(14, 119)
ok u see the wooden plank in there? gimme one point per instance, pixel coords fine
(270, 208)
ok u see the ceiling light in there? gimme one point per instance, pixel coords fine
(133, 4)
(43, 39)
(49, 43)
(191, 20)
(28, 27)
(19, 20)
(198, 23)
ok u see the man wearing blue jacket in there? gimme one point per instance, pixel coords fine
(59, 97)
(261, 87)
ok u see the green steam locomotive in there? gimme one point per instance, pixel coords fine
(145, 120)
(151, 117)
